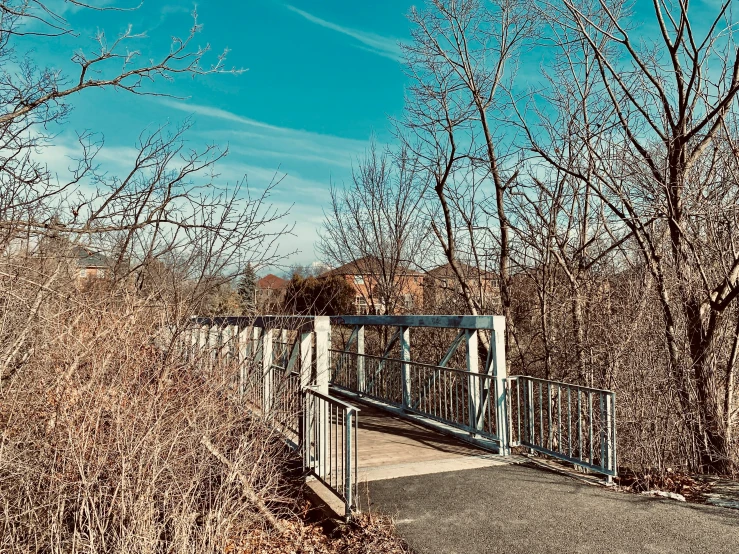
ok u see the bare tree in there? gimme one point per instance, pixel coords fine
(564, 230)
(101, 413)
(662, 164)
(461, 63)
(376, 226)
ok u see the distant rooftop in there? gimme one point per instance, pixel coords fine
(272, 282)
(368, 265)
(89, 258)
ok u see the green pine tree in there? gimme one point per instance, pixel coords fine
(248, 289)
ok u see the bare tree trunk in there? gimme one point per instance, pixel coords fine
(729, 387)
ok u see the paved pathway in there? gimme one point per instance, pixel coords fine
(516, 508)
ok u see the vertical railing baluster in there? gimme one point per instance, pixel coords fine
(361, 377)
(347, 465)
(559, 418)
(491, 429)
(446, 385)
(612, 431)
(590, 427)
(603, 432)
(569, 421)
(356, 453)
(579, 425)
(518, 411)
(531, 421)
(541, 416)
(550, 434)
(473, 369)
(405, 376)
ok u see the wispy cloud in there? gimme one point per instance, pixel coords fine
(377, 44)
(218, 113)
(304, 163)
(257, 139)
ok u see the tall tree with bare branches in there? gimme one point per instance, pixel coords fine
(660, 130)
(461, 62)
(376, 224)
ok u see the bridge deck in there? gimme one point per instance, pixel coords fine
(391, 447)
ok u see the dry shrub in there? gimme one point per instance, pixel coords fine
(689, 486)
(115, 440)
(103, 435)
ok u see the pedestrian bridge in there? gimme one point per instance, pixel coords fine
(368, 398)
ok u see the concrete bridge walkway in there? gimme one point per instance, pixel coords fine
(391, 447)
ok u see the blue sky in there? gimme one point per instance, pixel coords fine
(322, 78)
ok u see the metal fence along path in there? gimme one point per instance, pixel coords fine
(573, 423)
(279, 369)
(448, 372)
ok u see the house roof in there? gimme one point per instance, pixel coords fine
(368, 265)
(89, 258)
(272, 282)
(468, 271)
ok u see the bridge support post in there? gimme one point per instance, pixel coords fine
(307, 416)
(306, 359)
(224, 353)
(255, 350)
(530, 414)
(284, 348)
(322, 326)
(473, 386)
(361, 377)
(608, 446)
(405, 368)
(500, 373)
(267, 380)
(202, 346)
(322, 332)
(213, 336)
(243, 358)
(194, 338)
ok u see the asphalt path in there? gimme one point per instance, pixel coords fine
(517, 508)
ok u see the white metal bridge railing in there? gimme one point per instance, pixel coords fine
(330, 444)
(278, 367)
(570, 422)
(471, 399)
(455, 397)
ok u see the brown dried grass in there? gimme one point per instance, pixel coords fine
(108, 441)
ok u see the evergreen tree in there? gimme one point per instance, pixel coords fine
(331, 295)
(248, 289)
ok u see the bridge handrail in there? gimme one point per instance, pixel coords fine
(411, 362)
(330, 429)
(332, 399)
(560, 383)
(486, 322)
(543, 422)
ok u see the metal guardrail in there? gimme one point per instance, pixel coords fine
(570, 422)
(373, 376)
(573, 423)
(330, 444)
(276, 377)
(455, 397)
